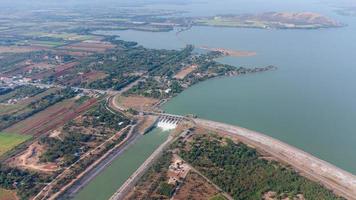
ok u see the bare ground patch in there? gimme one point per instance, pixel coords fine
(19, 49)
(90, 46)
(137, 102)
(7, 195)
(195, 187)
(30, 159)
(185, 71)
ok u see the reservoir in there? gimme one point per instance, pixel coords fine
(105, 184)
(309, 102)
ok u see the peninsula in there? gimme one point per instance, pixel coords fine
(277, 20)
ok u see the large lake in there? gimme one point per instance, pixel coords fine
(309, 102)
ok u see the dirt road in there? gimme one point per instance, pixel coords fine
(45, 192)
(341, 182)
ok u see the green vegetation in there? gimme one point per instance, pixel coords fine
(48, 43)
(95, 126)
(218, 197)
(166, 189)
(69, 149)
(128, 62)
(155, 177)
(280, 20)
(77, 138)
(26, 183)
(63, 36)
(161, 82)
(32, 107)
(20, 92)
(240, 171)
(9, 141)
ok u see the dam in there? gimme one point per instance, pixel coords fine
(168, 122)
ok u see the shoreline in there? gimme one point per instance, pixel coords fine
(230, 52)
(341, 182)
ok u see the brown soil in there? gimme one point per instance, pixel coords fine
(74, 53)
(185, 71)
(50, 118)
(90, 46)
(8, 195)
(230, 52)
(18, 49)
(137, 102)
(145, 123)
(87, 77)
(299, 17)
(270, 195)
(40, 65)
(30, 159)
(195, 187)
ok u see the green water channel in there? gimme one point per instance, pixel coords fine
(103, 186)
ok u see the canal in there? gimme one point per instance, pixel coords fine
(110, 179)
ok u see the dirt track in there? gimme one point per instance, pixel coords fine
(341, 182)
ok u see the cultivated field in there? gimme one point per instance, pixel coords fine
(9, 141)
(19, 49)
(51, 117)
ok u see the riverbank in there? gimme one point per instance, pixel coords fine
(96, 168)
(339, 181)
(105, 183)
(230, 52)
(132, 180)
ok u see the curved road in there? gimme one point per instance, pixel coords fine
(334, 178)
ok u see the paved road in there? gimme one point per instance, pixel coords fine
(340, 181)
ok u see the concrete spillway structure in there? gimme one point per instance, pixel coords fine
(168, 122)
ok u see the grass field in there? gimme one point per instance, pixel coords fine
(64, 36)
(9, 108)
(48, 43)
(42, 43)
(7, 195)
(9, 141)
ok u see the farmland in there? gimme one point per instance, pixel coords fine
(9, 141)
(70, 141)
(54, 79)
(51, 117)
(28, 104)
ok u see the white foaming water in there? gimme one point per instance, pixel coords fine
(166, 124)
